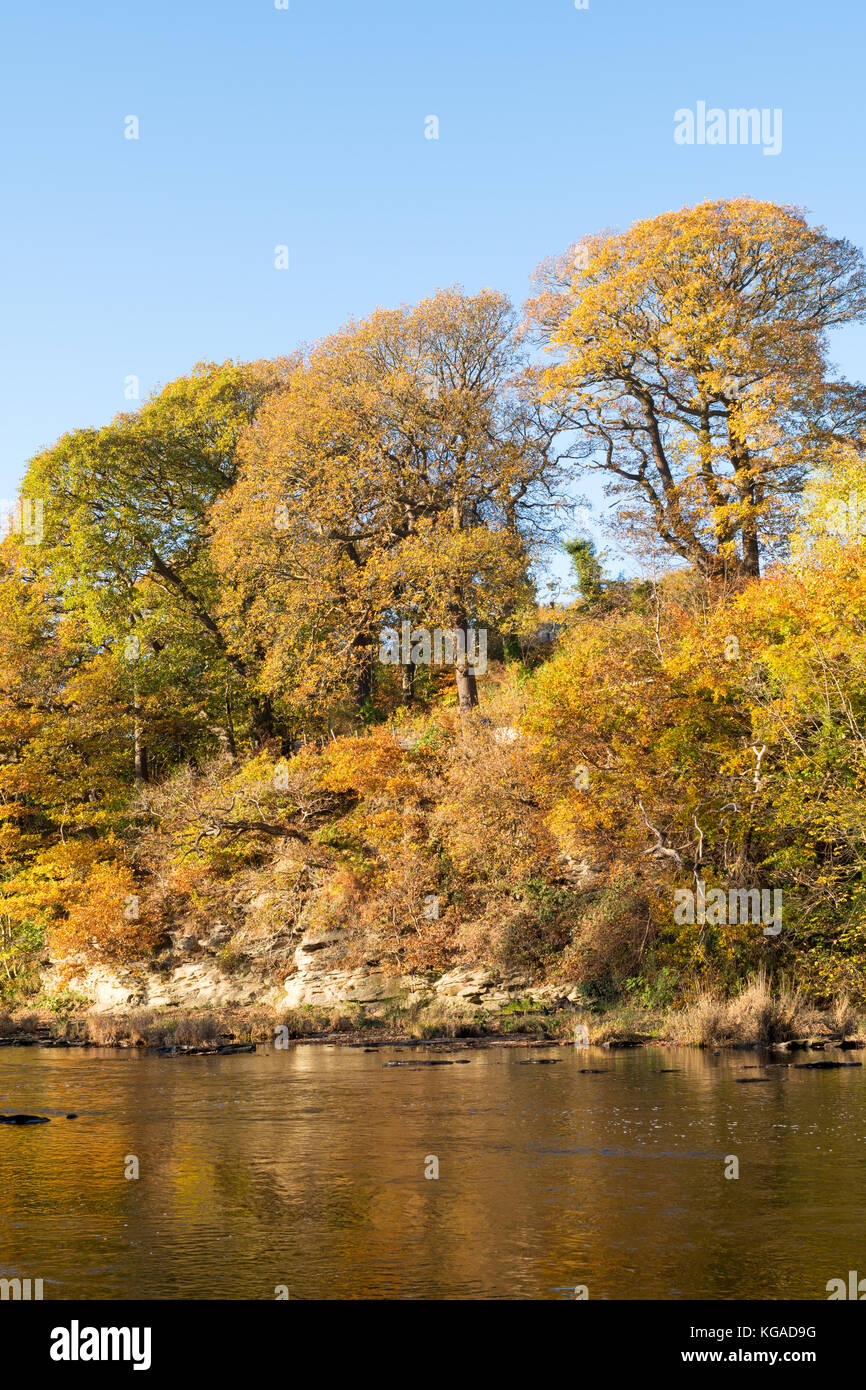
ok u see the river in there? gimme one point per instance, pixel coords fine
(304, 1171)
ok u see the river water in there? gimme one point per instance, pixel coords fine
(305, 1170)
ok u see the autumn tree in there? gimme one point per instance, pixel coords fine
(702, 736)
(692, 358)
(64, 757)
(126, 530)
(406, 472)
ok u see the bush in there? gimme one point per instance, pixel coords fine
(98, 925)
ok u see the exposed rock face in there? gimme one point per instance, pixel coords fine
(329, 988)
(317, 947)
(474, 987)
(205, 983)
(197, 984)
(321, 978)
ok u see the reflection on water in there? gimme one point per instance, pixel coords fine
(306, 1168)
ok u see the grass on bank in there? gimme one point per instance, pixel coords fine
(760, 1014)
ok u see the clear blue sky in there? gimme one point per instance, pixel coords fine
(305, 127)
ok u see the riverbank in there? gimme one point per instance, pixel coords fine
(754, 1017)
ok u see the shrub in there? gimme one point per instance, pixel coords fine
(98, 924)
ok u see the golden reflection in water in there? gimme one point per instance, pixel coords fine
(306, 1168)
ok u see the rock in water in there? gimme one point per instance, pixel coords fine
(825, 1066)
(439, 1062)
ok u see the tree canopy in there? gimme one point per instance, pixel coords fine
(692, 358)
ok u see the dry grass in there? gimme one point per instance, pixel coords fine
(142, 1028)
(844, 1018)
(309, 1023)
(702, 1023)
(102, 1030)
(195, 1030)
(758, 1014)
(26, 1022)
(442, 1018)
(616, 1024)
(146, 1028)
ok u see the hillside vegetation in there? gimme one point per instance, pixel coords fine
(220, 615)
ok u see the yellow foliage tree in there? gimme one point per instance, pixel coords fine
(692, 359)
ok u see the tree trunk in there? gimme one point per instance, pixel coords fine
(744, 481)
(262, 720)
(362, 685)
(751, 550)
(230, 724)
(464, 673)
(467, 688)
(408, 672)
(140, 752)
